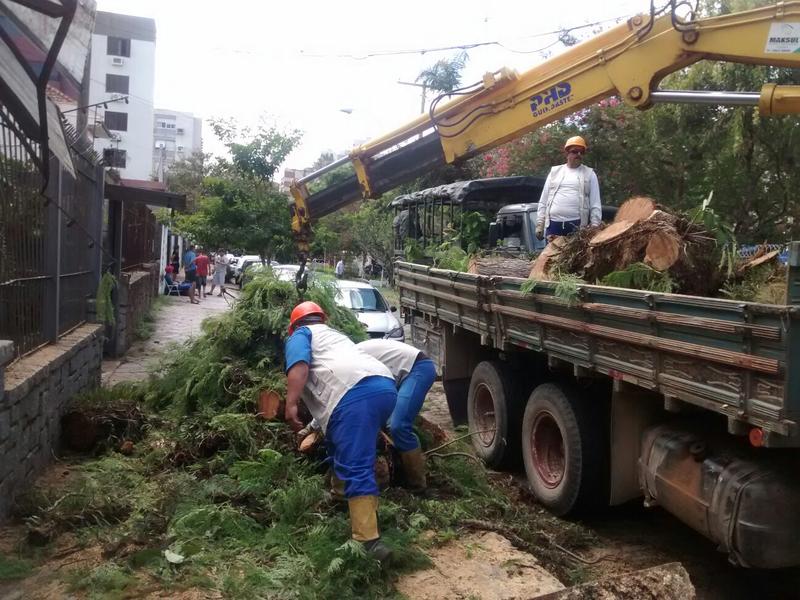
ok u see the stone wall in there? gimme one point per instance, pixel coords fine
(36, 391)
(136, 291)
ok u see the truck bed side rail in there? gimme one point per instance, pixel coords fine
(726, 356)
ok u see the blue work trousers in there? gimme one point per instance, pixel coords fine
(410, 397)
(353, 432)
(559, 228)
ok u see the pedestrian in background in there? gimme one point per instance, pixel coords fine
(220, 271)
(571, 195)
(203, 265)
(175, 261)
(189, 267)
(339, 270)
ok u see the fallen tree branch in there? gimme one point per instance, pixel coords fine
(453, 441)
(464, 454)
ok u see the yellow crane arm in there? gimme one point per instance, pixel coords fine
(627, 61)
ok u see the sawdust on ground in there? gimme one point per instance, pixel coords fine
(479, 565)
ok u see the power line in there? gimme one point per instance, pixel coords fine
(467, 46)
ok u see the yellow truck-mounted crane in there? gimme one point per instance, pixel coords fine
(691, 403)
(627, 61)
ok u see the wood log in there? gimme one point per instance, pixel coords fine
(507, 266)
(662, 250)
(540, 265)
(635, 209)
(613, 231)
(269, 405)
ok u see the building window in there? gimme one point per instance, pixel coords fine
(117, 121)
(114, 157)
(165, 125)
(117, 84)
(118, 46)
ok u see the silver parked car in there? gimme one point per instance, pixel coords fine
(371, 309)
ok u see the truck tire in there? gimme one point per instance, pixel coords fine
(495, 409)
(565, 449)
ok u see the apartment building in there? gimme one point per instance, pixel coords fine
(176, 136)
(122, 76)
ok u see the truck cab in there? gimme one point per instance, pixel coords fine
(432, 216)
(514, 228)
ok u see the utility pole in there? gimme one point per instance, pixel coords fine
(424, 93)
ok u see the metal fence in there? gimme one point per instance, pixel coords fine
(49, 248)
(141, 237)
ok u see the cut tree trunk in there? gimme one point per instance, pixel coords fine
(612, 232)
(635, 209)
(663, 250)
(541, 264)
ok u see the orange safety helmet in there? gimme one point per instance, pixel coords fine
(302, 310)
(575, 140)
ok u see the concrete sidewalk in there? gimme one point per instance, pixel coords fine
(176, 321)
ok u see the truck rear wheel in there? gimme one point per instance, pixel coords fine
(493, 412)
(564, 449)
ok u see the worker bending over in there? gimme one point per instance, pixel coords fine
(351, 395)
(413, 373)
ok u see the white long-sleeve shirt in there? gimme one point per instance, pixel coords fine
(565, 185)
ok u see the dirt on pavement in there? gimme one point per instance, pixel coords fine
(479, 565)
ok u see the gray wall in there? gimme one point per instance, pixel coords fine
(36, 391)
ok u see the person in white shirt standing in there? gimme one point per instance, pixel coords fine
(571, 195)
(220, 271)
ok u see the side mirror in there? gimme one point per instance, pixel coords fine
(494, 234)
(393, 308)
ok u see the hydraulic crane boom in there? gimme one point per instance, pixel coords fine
(627, 61)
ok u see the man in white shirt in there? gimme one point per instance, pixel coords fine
(571, 195)
(220, 261)
(339, 270)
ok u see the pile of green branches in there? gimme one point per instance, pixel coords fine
(241, 352)
(212, 497)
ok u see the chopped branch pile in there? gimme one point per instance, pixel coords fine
(647, 247)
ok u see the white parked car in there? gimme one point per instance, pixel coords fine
(371, 309)
(281, 272)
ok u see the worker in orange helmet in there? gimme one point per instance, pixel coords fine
(571, 195)
(351, 395)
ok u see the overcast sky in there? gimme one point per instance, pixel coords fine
(292, 62)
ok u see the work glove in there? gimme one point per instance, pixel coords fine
(539, 232)
(308, 443)
(304, 432)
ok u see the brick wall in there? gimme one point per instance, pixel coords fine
(35, 393)
(136, 291)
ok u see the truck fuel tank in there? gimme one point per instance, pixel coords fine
(746, 500)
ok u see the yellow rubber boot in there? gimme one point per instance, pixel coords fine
(364, 524)
(414, 469)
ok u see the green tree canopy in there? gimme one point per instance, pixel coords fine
(238, 205)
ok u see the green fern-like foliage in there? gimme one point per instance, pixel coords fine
(103, 304)
(639, 276)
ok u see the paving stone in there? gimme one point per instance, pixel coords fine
(177, 321)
